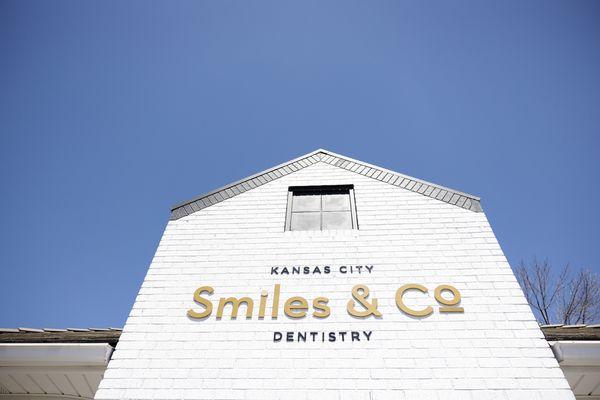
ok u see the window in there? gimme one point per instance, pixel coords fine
(321, 208)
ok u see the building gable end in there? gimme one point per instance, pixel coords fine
(459, 199)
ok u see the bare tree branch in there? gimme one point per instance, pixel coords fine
(563, 298)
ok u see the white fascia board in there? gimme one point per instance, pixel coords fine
(28, 396)
(54, 354)
(577, 352)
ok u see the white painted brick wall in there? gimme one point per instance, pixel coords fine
(493, 351)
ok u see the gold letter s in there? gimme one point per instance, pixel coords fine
(201, 300)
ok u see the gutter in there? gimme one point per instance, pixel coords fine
(55, 354)
(577, 352)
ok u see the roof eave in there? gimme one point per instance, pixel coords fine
(55, 354)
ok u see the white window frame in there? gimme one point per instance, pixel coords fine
(322, 189)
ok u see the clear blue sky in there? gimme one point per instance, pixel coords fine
(110, 112)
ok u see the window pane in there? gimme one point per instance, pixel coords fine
(306, 203)
(337, 220)
(306, 221)
(336, 202)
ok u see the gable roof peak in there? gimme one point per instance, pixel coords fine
(438, 192)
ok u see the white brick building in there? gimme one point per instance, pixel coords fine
(327, 212)
(494, 349)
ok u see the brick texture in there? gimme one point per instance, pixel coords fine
(494, 350)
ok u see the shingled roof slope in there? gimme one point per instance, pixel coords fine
(571, 332)
(71, 335)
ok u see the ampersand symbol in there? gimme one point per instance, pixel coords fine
(360, 294)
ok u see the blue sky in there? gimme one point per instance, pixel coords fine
(110, 112)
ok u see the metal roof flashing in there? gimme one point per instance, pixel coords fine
(438, 192)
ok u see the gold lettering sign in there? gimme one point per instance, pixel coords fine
(449, 305)
(360, 294)
(322, 310)
(235, 304)
(400, 301)
(296, 307)
(201, 300)
(297, 310)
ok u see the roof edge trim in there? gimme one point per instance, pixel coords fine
(471, 196)
(266, 171)
(438, 192)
